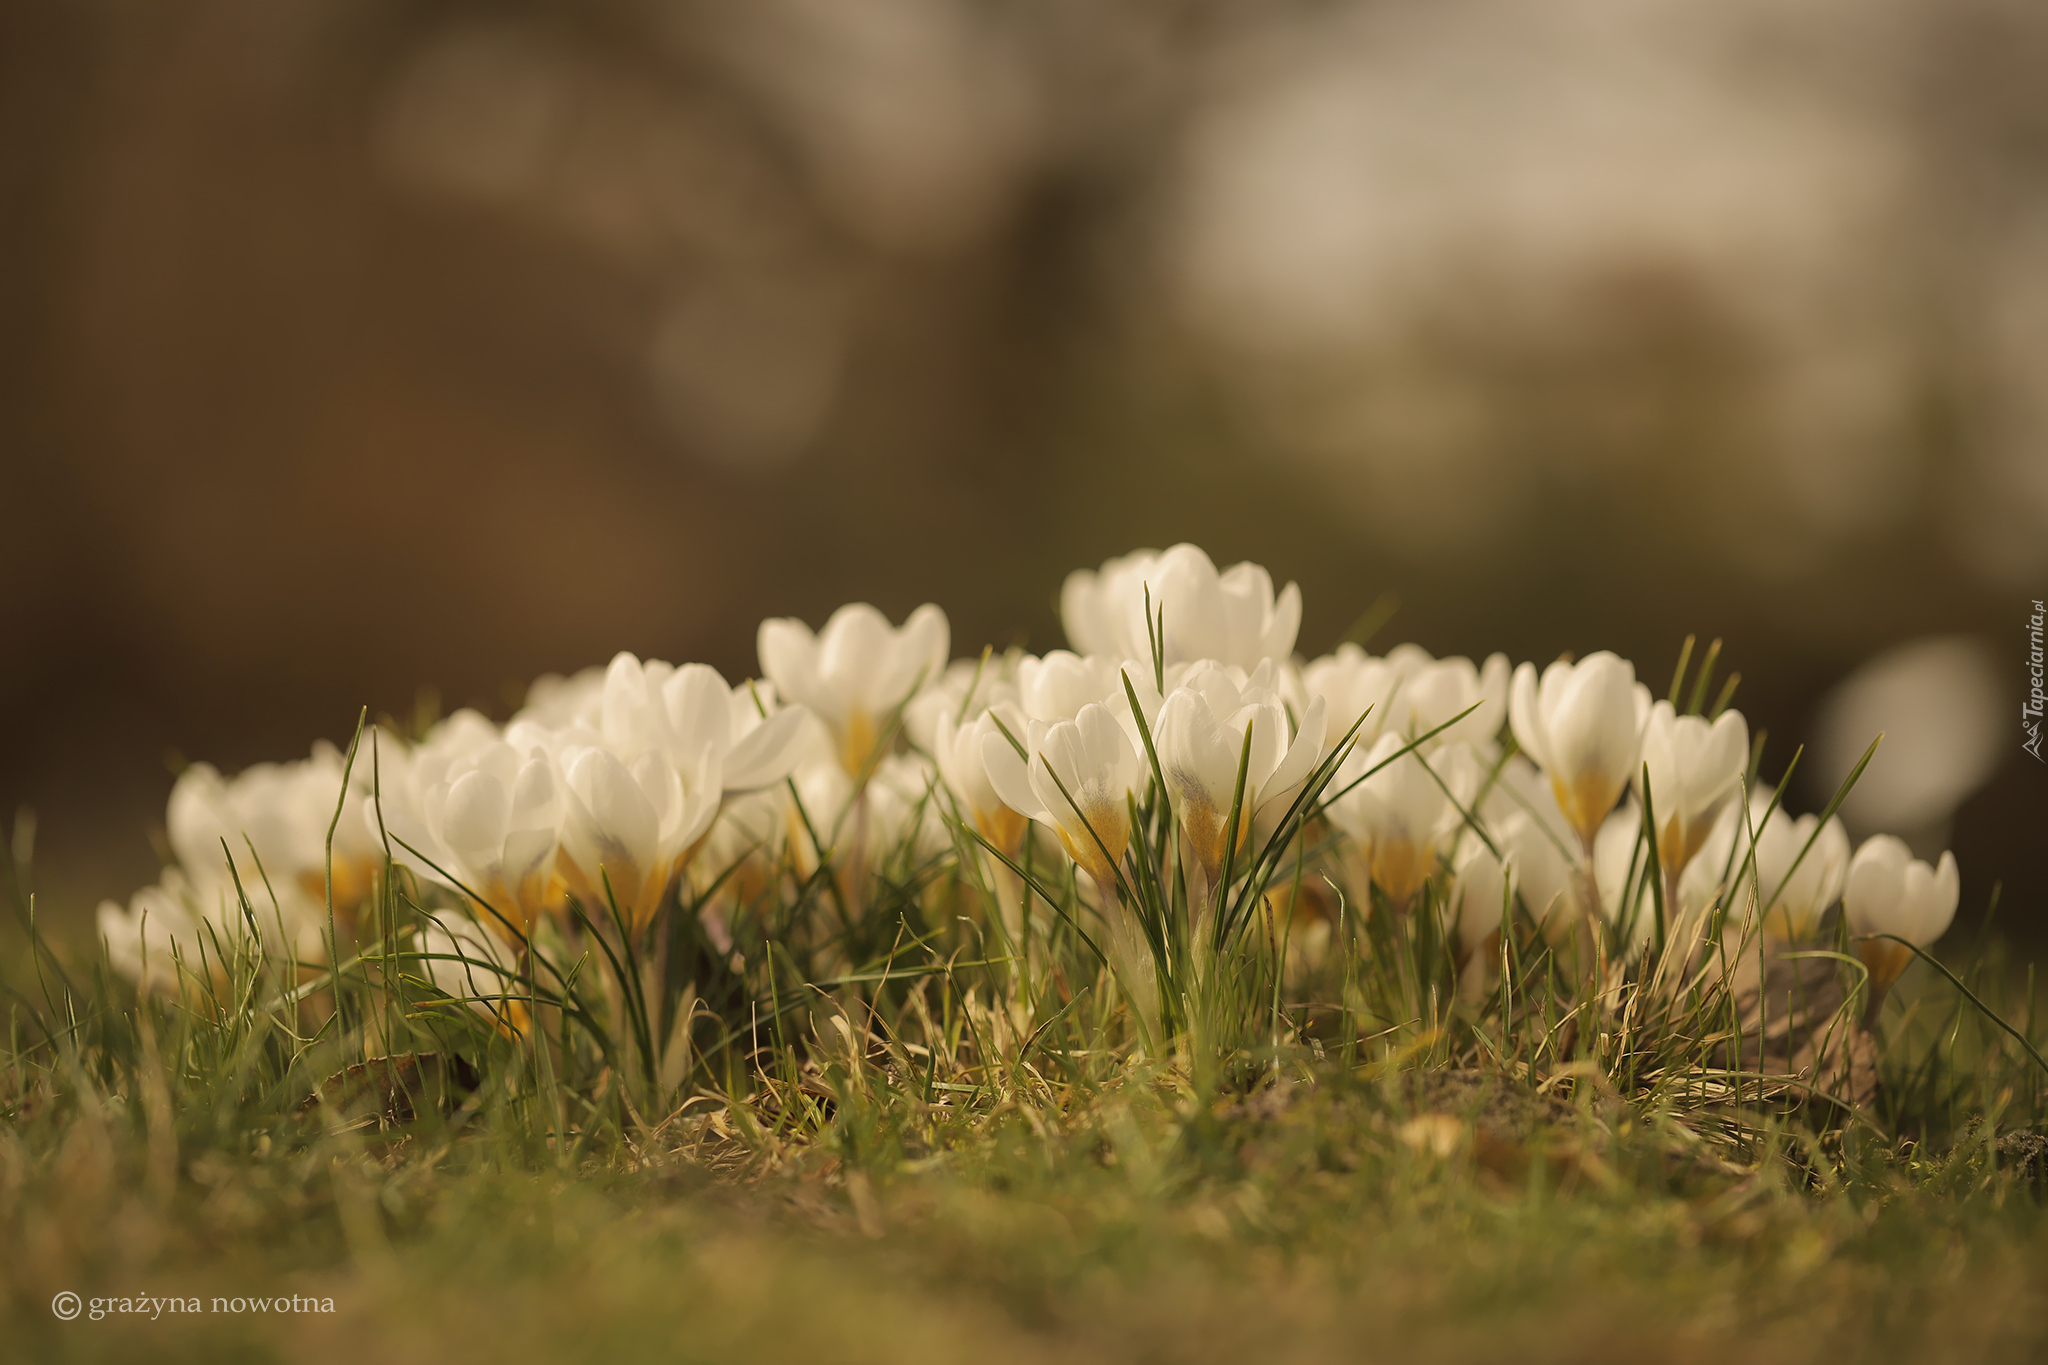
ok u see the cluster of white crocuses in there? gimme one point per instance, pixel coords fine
(1519, 795)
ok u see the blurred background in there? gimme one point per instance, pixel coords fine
(351, 348)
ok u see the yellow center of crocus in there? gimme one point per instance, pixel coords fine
(1399, 868)
(1790, 922)
(510, 1016)
(1206, 826)
(353, 879)
(1884, 959)
(859, 744)
(1001, 826)
(1679, 843)
(1099, 852)
(1586, 800)
(636, 890)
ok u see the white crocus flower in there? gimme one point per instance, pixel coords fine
(1409, 693)
(1521, 812)
(1057, 686)
(1543, 871)
(760, 834)
(1435, 690)
(1401, 816)
(965, 688)
(1797, 897)
(281, 811)
(1717, 875)
(1232, 617)
(178, 923)
(958, 748)
(1200, 740)
(406, 773)
(1583, 725)
(450, 740)
(1889, 891)
(1696, 768)
(855, 671)
(557, 703)
(743, 850)
(641, 789)
(628, 825)
(1626, 902)
(1351, 684)
(1094, 760)
(691, 715)
(1480, 885)
(491, 823)
(205, 810)
(465, 961)
(905, 812)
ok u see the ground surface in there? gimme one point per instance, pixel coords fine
(1452, 1218)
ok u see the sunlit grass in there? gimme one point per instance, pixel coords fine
(1169, 1071)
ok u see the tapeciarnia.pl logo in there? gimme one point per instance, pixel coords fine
(2031, 708)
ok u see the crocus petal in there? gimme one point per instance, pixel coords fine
(1938, 903)
(528, 859)
(536, 795)
(1876, 885)
(1525, 716)
(1233, 616)
(1082, 616)
(1303, 755)
(612, 824)
(853, 648)
(699, 708)
(1265, 721)
(921, 648)
(1479, 893)
(1278, 640)
(767, 753)
(1091, 760)
(1010, 776)
(701, 796)
(789, 659)
(475, 818)
(1196, 754)
(1200, 766)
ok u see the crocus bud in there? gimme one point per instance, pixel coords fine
(856, 670)
(1889, 891)
(1093, 759)
(1794, 898)
(1233, 617)
(1201, 738)
(1695, 769)
(1583, 725)
(1479, 891)
(958, 748)
(1401, 816)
